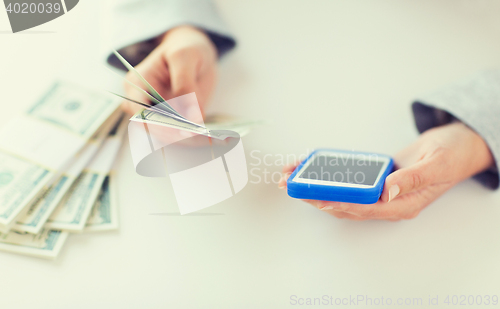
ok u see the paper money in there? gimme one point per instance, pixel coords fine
(218, 123)
(37, 146)
(104, 215)
(45, 244)
(40, 210)
(152, 92)
(226, 122)
(20, 182)
(79, 110)
(54, 130)
(73, 211)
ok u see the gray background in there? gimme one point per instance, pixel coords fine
(328, 74)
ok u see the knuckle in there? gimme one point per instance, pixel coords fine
(440, 151)
(443, 159)
(417, 179)
(185, 53)
(369, 213)
(440, 156)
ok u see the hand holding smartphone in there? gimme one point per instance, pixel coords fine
(340, 176)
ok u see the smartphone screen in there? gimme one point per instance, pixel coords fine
(344, 169)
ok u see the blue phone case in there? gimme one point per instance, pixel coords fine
(338, 193)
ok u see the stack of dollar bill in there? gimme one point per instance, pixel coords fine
(56, 170)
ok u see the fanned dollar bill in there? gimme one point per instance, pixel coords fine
(73, 211)
(104, 215)
(20, 182)
(214, 124)
(221, 122)
(40, 210)
(152, 93)
(158, 111)
(45, 244)
(36, 147)
(76, 109)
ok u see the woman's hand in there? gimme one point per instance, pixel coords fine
(185, 61)
(438, 160)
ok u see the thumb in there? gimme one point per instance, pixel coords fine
(409, 179)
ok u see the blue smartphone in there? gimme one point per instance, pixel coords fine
(340, 176)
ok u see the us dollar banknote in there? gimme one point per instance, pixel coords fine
(20, 182)
(73, 108)
(45, 244)
(40, 210)
(37, 146)
(212, 123)
(73, 211)
(104, 214)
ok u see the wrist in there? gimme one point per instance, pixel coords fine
(183, 38)
(184, 31)
(480, 158)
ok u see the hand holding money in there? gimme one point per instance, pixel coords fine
(185, 61)
(45, 196)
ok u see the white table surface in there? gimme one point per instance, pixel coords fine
(326, 74)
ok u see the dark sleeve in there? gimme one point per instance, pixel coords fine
(476, 103)
(134, 26)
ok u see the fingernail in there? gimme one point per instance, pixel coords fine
(327, 208)
(280, 186)
(393, 192)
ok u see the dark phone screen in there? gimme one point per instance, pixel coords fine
(346, 169)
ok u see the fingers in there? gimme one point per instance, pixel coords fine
(323, 205)
(154, 70)
(328, 207)
(287, 171)
(371, 211)
(409, 179)
(183, 71)
(291, 167)
(343, 215)
(403, 208)
(283, 180)
(184, 68)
